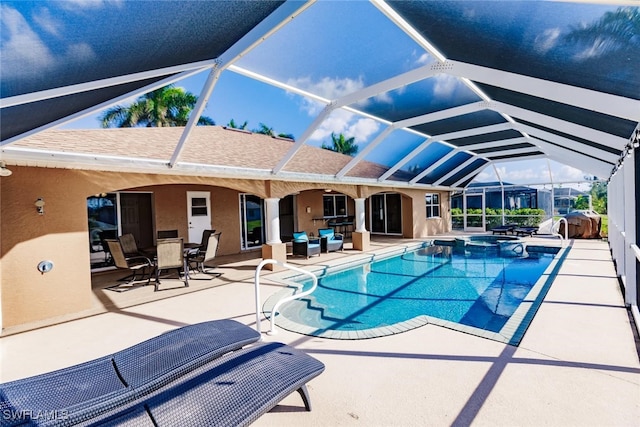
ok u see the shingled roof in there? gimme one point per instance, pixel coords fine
(211, 148)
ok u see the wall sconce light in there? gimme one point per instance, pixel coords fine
(3, 169)
(308, 209)
(40, 205)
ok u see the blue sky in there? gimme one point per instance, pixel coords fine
(297, 56)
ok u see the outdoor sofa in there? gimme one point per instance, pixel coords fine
(209, 374)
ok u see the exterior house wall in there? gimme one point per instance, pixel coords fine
(61, 234)
(170, 212)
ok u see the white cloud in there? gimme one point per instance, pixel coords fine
(23, 52)
(80, 52)
(527, 172)
(517, 174)
(425, 59)
(89, 4)
(339, 121)
(347, 123)
(43, 19)
(362, 129)
(547, 40)
(445, 85)
(327, 87)
(567, 173)
(487, 175)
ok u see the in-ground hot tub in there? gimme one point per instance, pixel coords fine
(505, 246)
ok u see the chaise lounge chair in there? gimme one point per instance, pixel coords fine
(177, 378)
(504, 229)
(525, 231)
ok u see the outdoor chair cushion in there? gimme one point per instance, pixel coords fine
(300, 236)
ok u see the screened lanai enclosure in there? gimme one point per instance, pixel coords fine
(442, 94)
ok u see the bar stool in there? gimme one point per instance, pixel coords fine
(334, 224)
(347, 225)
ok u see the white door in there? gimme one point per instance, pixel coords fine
(198, 214)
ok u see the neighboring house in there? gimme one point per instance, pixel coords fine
(565, 199)
(515, 196)
(220, 184)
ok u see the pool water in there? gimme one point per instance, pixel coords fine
(459, 290)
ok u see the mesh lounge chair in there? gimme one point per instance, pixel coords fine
(139, 266)
(177, 378)
(206, 254)
(525, 231)
(504, 229)
(303, 246)
(330, 241)
(171, 257)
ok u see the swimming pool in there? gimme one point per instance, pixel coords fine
(467, 289)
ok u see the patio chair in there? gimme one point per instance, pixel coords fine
(303, 246)
(170, 256)
(330, 241)
(139, 266)
(129, 245)
(206, 254)
(167, 234)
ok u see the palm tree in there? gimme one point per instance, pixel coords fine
(264, 130)
(167, 106)
(342, 145)
(615, 34)
(287, 135)
(232, 124)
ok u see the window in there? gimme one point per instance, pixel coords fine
(433, 205)
(334, 205)
(198, 206)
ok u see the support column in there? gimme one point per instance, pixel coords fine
(273, 248)
(360, 237)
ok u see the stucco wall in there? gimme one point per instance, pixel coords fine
(61, 234)
(57, 235)
(170, 212)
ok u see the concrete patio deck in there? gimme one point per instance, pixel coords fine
(578, 364)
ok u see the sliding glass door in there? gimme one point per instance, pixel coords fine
(251, 221)
(386, 213)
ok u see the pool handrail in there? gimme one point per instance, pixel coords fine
(566, 230)
(281, 301)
